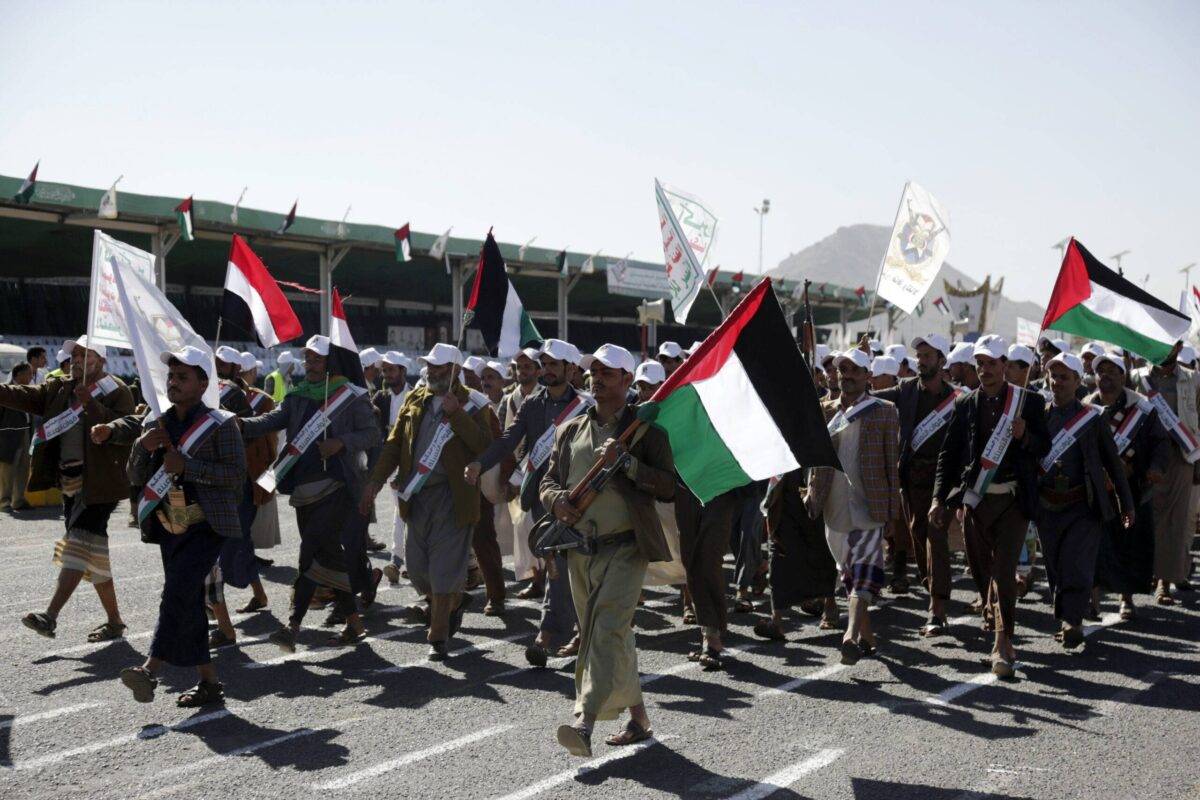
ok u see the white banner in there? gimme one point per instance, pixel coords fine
(106, 320)
(688, 229)
(636, 280)
(152, 326)
(1027, 331)
(919, 243)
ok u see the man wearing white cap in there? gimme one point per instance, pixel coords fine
(370, 359)
(648, 377)
(626, 535)
(925, 405)
(996, 504)
(91, 477)
(387, 402)
(961, 367)
(324, 481)
(193, 467)
(1125, 564)
(525, 566)
(441, 428)
(1020, 361)
(532, 432)
(276, 383)
(670, 355)
(859, 502)
(900, 353)
(1047, 348)
(829, 369)
(249, 368)
(1177, 399)
(63, 370)
(885, 372)
(1073, 490)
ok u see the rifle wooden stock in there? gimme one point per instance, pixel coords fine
(582, 496)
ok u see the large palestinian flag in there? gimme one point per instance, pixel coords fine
(743, 406)
(494, 307)
(1092, 301)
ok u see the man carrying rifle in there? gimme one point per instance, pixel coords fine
(623, 535)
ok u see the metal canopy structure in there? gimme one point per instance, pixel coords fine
(50, 237)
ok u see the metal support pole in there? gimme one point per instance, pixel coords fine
(456, 297)
(326, 277)
(653, 336)
(563, 291)
(161, 243)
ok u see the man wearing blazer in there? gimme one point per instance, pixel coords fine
(995, 499)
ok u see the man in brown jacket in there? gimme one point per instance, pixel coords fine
(91, 476)
(442, 427)
(623, 524)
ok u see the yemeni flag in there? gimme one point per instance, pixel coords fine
(187, 228)
(743, 406)
(343, 352)
(403, 244)
(1092, 301)
(25, 193)
(253, 302)
(495, 309)
(291, 218)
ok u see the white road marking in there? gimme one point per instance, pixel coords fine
(317, 652)
(129, 637)
(819, 675)
(1121, 698)
(570, 774)
(788, 775)
(480, 647)
(410, 758)
(238, 751)
(651, 677)
(151, 732)
(25, 719)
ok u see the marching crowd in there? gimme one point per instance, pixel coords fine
(1082, 462)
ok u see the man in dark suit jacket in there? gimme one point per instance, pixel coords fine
(995, 506)
(1073, 494)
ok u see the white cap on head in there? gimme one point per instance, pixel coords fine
(497, 367)
(960, 354)
(670, 350)
(1116, 359)
(369, 357)
(442, 353)
(615, 357)
(990, 346)
(318, 344)
(875, 345)
(531, 353)
(258, 365)
(821, 352)
(1058, 344)
(474, 364)
(1094, 348)
(858, 357)
(248, 361)
(192, 356)
(1068, 360)
(397, 359)
(585, 361)
(1022, 353)
(1187, 354)
(934, 340)
(229, 355)
(896, 351)
(884, 365)
(63, 355)
(913, 363)
(82, 341)
(650, 372)
(830, 356)
(286, 359)
(560, 351)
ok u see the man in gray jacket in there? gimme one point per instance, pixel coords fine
(324, 481)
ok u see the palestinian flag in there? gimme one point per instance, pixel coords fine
(1092, 301)
(183, 212)
(290, 219)
(940, 305)
(743, 406)
(343, 352)
(494, 307)
(861, 293)
(403, 244)
(25, 193)
(253, 302)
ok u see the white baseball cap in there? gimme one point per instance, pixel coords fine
(670, 350)
(1095, 348)
(855, 355)
(884, 365)
(990, 346)
(192, 356)
(896, 351)
(229, 355)
(875, 345)
(650, 372)
(497, 367)
(1022, 353)
(1116, 359)
(1187, 354)
(248, 361)
(960, 354)
(1068, 360)
(286, 358)
(474, 364)
(1058, 344)
(821, 352)
(913, 363)
(560, 351)
(442, 353)
(397, 359)
(318, 344)
(63, 355)
(615, 357)
(369, 357)
(934, 340)
(531, 353)
(258, 363)
(82, 341)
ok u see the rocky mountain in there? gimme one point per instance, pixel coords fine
(850, 257)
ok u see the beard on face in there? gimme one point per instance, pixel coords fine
(439, 386)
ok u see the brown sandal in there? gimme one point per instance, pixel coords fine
(570, 649)
(347, 637)
(40, 623)
(632, 733)
(140, 682)
(252, 607)
(106, 632)
(202, 694)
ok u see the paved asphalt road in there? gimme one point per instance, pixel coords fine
(924, 720)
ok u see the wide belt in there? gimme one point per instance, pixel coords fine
(615, 539)
(1054, 500)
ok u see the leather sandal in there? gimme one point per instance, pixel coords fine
(347, 637)
(217, 639)
(107, 632)
(202, 694)
(255, 605)
(851, 652)
(40, 623)
(140, 682)
(769, 631)
(578, 741)
(710, 660)
(632, 733)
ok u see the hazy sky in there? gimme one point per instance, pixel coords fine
(1028, 121)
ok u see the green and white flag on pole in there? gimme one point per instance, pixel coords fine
(688, 229)
(187, 228)
(25, 193)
